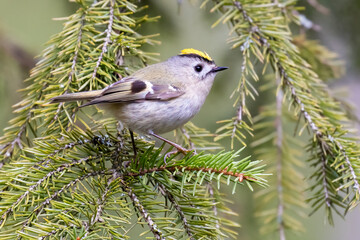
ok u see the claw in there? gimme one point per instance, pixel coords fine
(182, 150)
(177, 146)
(167, 155)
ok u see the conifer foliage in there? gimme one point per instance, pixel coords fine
(69, 172)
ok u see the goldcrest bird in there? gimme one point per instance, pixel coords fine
(158, 98)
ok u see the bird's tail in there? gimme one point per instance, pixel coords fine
(70, 97)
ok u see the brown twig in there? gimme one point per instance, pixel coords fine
(240, 176)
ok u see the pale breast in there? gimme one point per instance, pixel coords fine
(157, 116)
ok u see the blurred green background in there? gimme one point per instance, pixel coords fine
(25, 26)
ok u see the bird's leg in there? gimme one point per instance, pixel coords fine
(134, 146)
(177, 146)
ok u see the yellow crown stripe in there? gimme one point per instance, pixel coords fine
(197, 52)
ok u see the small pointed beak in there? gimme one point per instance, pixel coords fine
(218, 69)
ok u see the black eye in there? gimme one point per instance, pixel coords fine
(198, 68)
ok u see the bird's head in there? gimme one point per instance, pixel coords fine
(194, 67)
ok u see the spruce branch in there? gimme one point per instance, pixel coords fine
(39, 208)
(279, 167)
(235, 127)
(177, 207)
(107, 39)
(306, 90)
(325, 184)
(240, 177)
(66, 67)
(73, 66)
(50, 174)
(141, 209)
(53, 232)
(100, 207)
(318, 132)
(282, 204)
(47, 158)
(43, 197)
(214, 208)
(108, 148)
(349, 164)
(8, 148)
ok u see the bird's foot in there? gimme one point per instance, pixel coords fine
(178, 150)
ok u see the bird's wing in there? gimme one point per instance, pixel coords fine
(132, 89)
